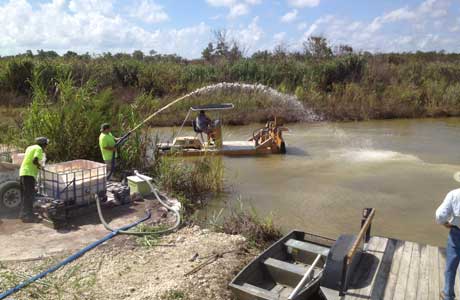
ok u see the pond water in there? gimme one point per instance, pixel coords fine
(403, 168)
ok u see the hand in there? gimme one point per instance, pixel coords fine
(447, 225)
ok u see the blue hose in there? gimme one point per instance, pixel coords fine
(71, 258)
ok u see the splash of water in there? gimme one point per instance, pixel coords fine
(373, 155)
(290, 102)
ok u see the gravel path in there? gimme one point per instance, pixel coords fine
(122, 269)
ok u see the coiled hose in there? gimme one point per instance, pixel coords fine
(174, 209)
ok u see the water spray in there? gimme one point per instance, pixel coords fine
(289, 100)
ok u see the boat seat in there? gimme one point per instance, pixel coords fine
(306, 247)
(259, 293)
(332, 277)
(285, 272)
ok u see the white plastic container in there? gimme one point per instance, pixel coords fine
(74, 182)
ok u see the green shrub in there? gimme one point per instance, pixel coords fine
(193, 179)
(72, 122)
(259, 232)
(18, 76)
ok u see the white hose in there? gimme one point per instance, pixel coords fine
(175, 209)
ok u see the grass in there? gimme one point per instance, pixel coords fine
(150, 240)
(190, 180)
(260, 232)
(69, 283)
(174, 295)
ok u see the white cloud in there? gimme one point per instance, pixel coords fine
(149, 12)
(56, 26)
(403, 29)
(456, 26)
(302, 26)
(290, 16)
(97, 26)
(253, 2)
(236, 8)
(89, 6)
(434, 8)
(304, 3)
(249, 37)
(279, 37)
(419, 16)
(53, 26)
(393, 16)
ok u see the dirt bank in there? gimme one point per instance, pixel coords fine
(122, 269)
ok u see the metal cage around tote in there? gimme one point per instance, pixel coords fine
(73, 182)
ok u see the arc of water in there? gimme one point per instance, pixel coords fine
(306, 114)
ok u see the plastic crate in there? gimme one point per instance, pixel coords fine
(74, 182)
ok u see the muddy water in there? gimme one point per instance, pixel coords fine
(403, 168)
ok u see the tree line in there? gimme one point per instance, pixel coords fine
(335, 80)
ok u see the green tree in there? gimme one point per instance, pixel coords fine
(70, 54)
(208, 52)
(138, 54)
(42, 54)
(317, 46)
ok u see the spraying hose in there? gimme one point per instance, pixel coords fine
(174, 209)
(71, 258)
(123, 139)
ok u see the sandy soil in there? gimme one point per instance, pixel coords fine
(20, 241)
(122, 269)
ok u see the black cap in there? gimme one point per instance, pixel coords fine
(42, 141)
(105, 126)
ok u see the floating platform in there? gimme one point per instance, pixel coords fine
(229, 148)
(397, 270)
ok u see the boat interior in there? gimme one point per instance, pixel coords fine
(293, 264)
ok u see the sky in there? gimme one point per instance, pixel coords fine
(185, 27)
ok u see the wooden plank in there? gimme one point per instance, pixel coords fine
(441, 268)
(403, 273)
(392, 278)
(307, 247)
(376, 248)
(360, 236)
(434, 272)
(414, 274)
(424, 274)
(383, 273)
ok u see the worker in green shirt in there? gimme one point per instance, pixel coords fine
(33, 161)
(107, 145)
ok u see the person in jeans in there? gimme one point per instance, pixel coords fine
(205, 124)
(448, 215)
(28, 173)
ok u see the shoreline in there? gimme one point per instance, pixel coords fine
(8, 120)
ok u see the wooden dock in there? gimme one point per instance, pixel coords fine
(397, 270)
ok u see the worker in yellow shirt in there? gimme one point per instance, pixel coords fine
(33, 161)
(107, 145)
